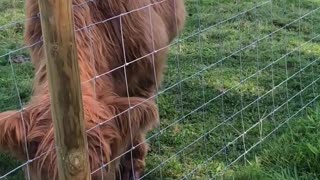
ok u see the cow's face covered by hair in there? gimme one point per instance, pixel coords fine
(121, 54)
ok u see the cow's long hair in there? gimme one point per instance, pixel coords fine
(120, 69)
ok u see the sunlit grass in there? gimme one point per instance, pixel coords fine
(243, 70)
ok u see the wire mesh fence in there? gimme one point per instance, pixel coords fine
(239, 72)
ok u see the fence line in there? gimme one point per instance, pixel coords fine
(200, 72)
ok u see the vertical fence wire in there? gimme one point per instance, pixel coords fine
(227, 130)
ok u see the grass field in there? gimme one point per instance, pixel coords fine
(240, 97)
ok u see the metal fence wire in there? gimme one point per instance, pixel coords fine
(238, 73)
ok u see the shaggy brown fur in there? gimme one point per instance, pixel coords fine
(99, 51)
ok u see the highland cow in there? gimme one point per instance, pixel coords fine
(120, 70)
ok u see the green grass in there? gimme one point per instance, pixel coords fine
(225, 108)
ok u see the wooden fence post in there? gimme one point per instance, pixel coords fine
(65, 89)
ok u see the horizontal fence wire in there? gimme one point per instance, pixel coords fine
(198, 72)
